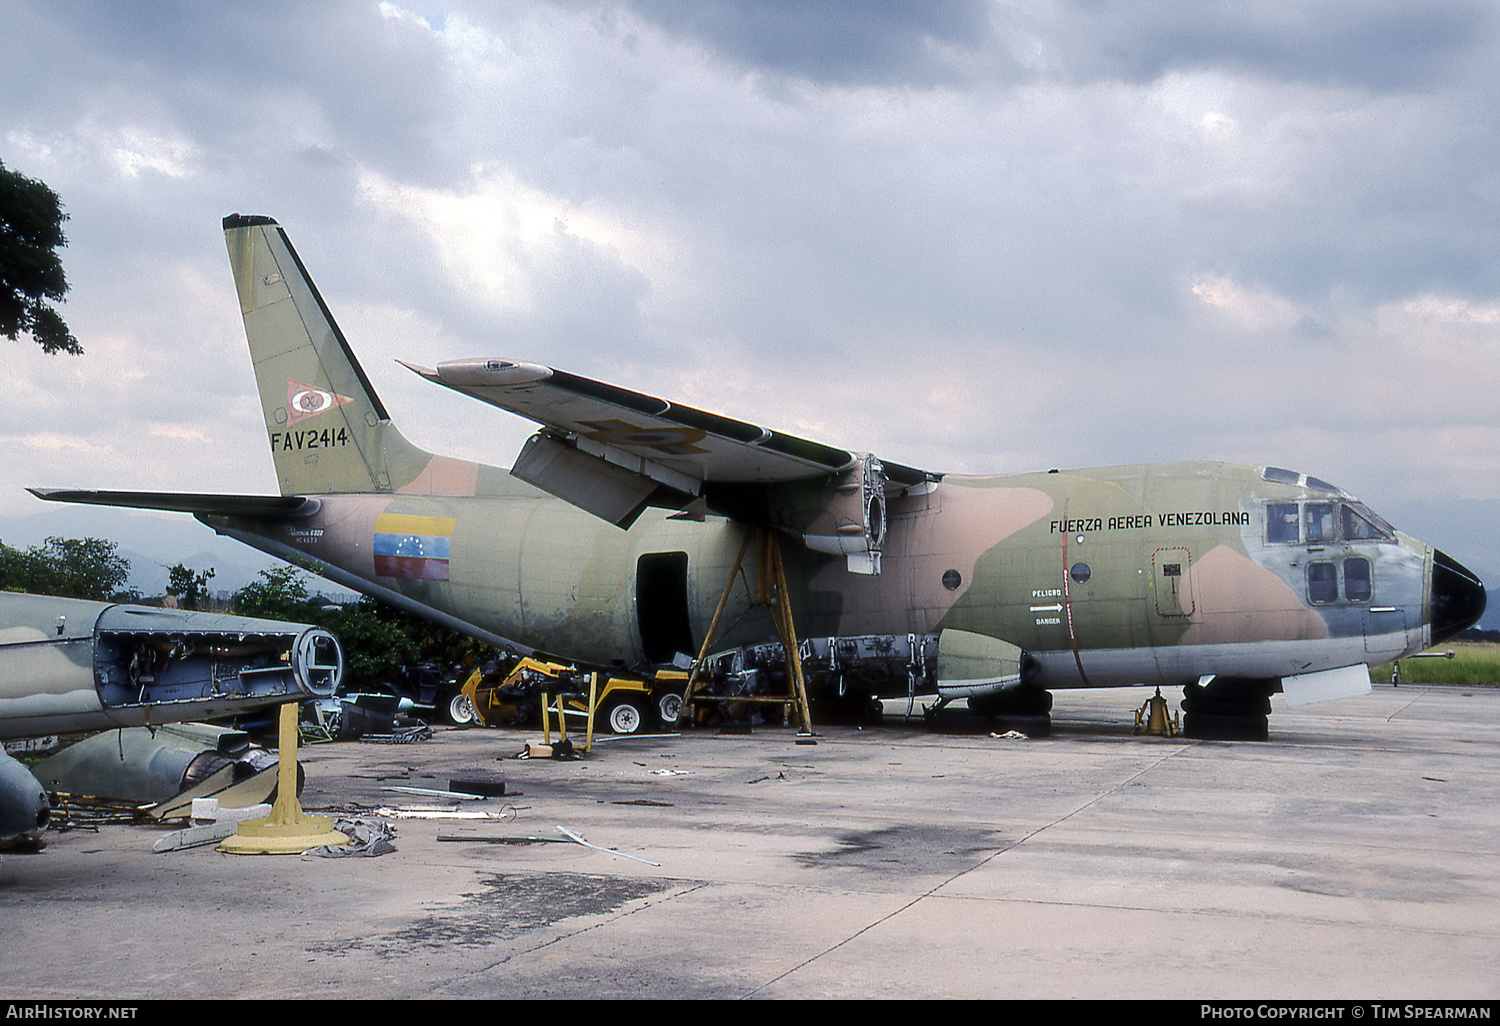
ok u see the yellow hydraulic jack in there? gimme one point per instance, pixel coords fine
(1153, 718)
(287, 830)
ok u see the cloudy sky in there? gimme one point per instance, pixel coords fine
(965, 235)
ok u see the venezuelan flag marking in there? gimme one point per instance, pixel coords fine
(411, 546)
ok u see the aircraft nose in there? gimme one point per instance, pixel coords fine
(1458, 597)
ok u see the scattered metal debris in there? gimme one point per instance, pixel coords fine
(500, 815)
(427, 792)
(507, 838)
(405, 736)
(82, 811)
(608, 851)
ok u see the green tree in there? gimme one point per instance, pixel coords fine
(31, 272)
(376, 645)
(190, 588)
(379, 641)
(280, 594)
(87, 568)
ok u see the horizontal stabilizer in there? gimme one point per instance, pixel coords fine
(180, 502)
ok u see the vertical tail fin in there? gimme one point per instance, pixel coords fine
(328, 430)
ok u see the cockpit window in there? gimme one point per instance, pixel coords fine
(1281, 523)
(1280, 475)
(1362, 524)
(1320, 523)
(1322, 486)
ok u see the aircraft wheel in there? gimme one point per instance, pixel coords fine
(1013, 703)
(668, 707)
(625, 718)
(1203, 726)
(461, 711)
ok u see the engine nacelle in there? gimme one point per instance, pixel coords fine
(844, 517)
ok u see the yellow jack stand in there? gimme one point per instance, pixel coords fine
(1152, 718)
(287, 830)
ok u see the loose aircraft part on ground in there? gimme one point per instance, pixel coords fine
(149, 765)
(24, 809)
(71, 666)
(613, 537)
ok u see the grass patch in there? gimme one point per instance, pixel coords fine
(1474, 663)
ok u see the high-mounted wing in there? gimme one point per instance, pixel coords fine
(612, 452)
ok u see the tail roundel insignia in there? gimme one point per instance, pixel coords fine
(304, 401)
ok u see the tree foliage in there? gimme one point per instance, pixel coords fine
(190, 588)
(31, 272)
(379, 641)
(280, 594)
(87, 568)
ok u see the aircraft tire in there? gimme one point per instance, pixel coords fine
(627, 717)
(1229, 698)
(1202, 726)
(1021, 703)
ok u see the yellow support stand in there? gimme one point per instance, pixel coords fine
(287, 830)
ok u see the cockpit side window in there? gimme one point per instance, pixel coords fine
(1361, 524)
(1320, 523)
(1281, 523)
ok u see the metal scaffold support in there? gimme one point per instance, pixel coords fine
(772, 593)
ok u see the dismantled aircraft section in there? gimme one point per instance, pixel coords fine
(73, 665)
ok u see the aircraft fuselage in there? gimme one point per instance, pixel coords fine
(1145, 574)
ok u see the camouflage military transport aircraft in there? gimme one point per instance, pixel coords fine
(611, 538)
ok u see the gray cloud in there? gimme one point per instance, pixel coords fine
(977, 237)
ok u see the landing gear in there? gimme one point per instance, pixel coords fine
(1025, 710)
(1228, 709)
